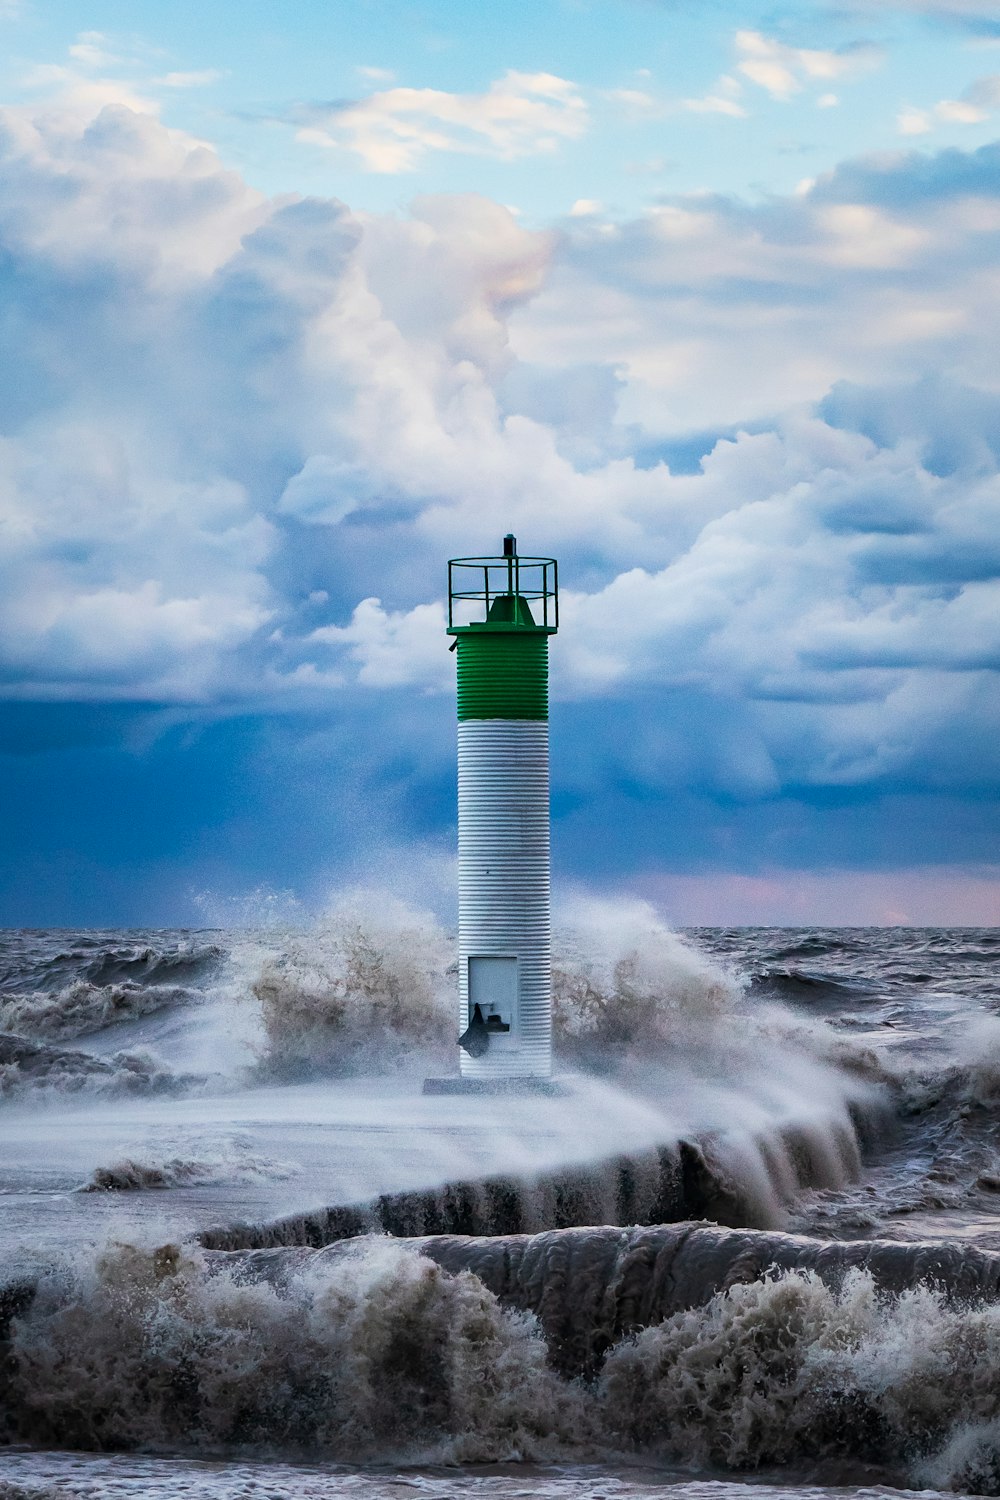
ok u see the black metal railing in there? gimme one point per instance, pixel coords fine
(474, 581)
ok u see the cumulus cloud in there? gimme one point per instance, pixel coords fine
(836, 595)
(716, 104)
(848, 605)
(724, 99)
(520, 114)
(91, 50)
(392, 648)
(715, 311)
(103, 69)
(241, 436)
(635, 104)
(195, 79)
(120, 582)
(783, 70)
(976, 105)
(196, 367)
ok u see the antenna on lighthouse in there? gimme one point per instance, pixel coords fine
(501, 612)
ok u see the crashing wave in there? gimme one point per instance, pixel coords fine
(947, 1163)
(39, 960)
(44, 1072)
(788, 1368)
(372, 989)
(383, 1354)
(593, 1287)
(627, 989)
(368, 990)
(132, 1174)
(54, 990)
(82, 1008)
(687, 1343)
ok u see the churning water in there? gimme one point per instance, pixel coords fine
(243, 1254)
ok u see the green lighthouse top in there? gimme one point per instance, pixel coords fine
(508, 593)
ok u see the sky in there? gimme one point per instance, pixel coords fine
(298, 301)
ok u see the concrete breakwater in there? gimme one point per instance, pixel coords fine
(734, 1180)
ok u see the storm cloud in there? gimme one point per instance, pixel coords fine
(240, 435)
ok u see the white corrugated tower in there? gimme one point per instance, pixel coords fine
(502, 611)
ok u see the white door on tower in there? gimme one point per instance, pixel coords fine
(493, 987)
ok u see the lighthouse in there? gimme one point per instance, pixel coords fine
(501, 613)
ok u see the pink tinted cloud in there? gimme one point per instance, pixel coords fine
(924, 896)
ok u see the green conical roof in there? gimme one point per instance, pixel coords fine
(510, 609)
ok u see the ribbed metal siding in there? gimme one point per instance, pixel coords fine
(503, 875)
(503, 674)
